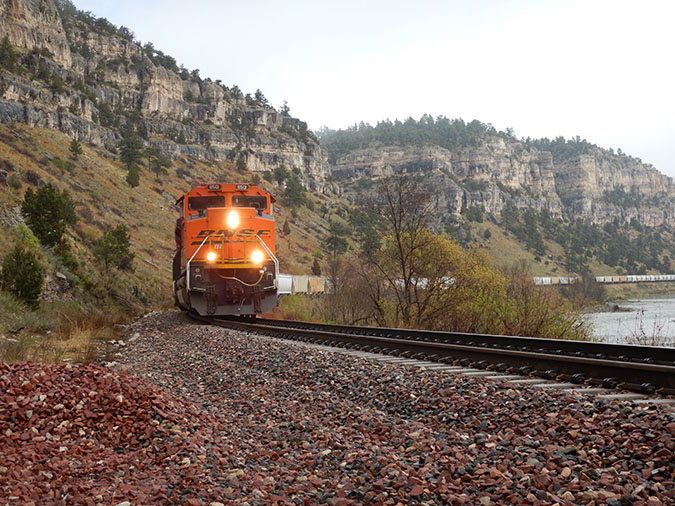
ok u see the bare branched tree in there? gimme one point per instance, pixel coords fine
(349, 300)
(406, 208)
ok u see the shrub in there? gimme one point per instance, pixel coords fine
(75, 148)
(113, 249)
(57, 85)
(133, 176)
(47, 213)
(22, 275)
(475, 213)
(68, 259)
(14, 182)
(281, 174)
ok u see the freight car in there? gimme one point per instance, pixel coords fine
(225, 261)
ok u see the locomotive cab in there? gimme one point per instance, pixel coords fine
(225, 261)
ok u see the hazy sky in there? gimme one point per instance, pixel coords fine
(601, 69)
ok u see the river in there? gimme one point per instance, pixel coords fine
(648, 321)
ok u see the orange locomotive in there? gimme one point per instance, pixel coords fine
(225, 261)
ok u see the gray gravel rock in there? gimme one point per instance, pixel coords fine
(195, 414)
(307, 425)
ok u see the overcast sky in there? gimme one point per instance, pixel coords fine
(600, 69)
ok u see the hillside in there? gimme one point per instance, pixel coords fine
(31, 157)
(571, 204)
(67, 70)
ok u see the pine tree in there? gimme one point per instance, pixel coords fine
(75, 149)
(47, 213)
(130, 153)
(316, 267)
(130, 146)
(22, 275)
(133, 177)
(8, 57)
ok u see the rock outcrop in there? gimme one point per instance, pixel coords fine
(498, 171)
(35, 24)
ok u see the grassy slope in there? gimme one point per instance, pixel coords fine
(97, 186)
(102, 197)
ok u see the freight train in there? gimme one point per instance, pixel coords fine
(225, 262)
(568, 280)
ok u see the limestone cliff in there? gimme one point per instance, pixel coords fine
(109, 81)
(499, 170)
(585, 183)
(35, 24)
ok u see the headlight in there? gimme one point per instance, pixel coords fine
(211, 256)
(232, 219)
(257, 256)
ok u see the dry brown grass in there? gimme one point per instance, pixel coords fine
(49, 335)
(80, 335)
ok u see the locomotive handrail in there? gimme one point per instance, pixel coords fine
(274, 259)
(187, 265)
(262, 243)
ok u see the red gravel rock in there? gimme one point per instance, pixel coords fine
(76, 432)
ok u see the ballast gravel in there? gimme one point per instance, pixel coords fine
(195, 414)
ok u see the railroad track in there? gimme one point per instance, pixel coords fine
(643, 369)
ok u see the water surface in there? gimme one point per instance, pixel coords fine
(649, 321)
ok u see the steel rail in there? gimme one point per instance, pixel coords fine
(621, 352)
(497, 353)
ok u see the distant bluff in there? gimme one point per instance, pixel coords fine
(473, 165)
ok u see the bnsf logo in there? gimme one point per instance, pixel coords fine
(244, 232)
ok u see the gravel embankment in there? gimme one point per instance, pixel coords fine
(221, 416)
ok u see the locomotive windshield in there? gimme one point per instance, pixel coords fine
(256, 201)
(199, 203)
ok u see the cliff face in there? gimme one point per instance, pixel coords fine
(584, 183)
(35, 23)
(106, 74)
(498, 171)
(488, 175)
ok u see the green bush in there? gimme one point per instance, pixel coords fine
(113, 249)
(47, 213)
(22, 275)
(27, 237)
